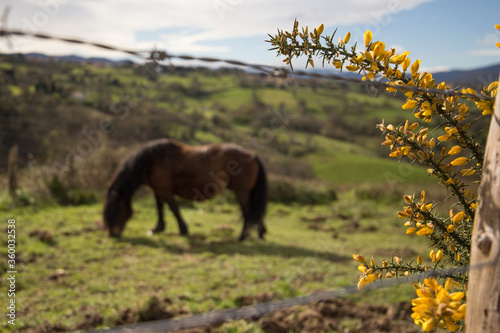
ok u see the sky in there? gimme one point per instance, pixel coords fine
(443, 34)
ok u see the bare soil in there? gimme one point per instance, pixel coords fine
(336, 315)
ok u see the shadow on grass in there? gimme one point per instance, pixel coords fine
(199, 244)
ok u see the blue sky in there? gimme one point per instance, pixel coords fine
(448, 34)
(444, 34)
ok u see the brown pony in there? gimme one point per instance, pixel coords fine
(191, 172)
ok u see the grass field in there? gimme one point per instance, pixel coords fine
(72, 276)
(69, 270)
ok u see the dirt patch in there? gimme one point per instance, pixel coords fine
(157, 309)
(350, 226)
(46, 327)
(317, 223)
(90, 321)
(82, 231)
(255, 299)
(339, 315)
(46, 236)
(314, 219)
(126, 317)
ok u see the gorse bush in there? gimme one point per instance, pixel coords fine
(75, 180)
(450, 151)
(67, 196)
(289, 190)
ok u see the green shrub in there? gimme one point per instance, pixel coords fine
(66, 196)
(287, 190)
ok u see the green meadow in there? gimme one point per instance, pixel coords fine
(333, 193)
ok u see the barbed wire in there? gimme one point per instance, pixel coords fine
(156, 56)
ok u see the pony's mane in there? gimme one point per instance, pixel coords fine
(134, 170)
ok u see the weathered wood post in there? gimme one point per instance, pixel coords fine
(12, 170)
(483, 300)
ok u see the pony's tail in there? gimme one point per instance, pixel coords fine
(258, 195)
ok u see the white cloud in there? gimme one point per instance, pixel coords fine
(488, 39)
(435, 69)
(486, 52)
(117, 22)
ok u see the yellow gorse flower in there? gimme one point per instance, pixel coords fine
(468, 172)
(367, 38)
(436, 307)
(455, 150)
(319, 30)
(458, 217)
(415, 66)
(399, 59)
(366, 280)
(459, 161)
(359, 258)
(347, 38)
(410, 104)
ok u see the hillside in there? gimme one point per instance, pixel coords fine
(475, 78)
(62, 111)
(471, 78)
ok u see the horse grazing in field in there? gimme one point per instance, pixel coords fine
(195, 173)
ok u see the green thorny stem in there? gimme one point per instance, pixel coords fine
(436, 305)
(396, 71)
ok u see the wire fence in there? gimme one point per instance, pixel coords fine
(259, 310)
(157, 56)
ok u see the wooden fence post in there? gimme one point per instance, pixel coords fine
(483, 300)
(12, 170)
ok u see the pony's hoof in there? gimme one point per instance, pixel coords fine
(153, 231)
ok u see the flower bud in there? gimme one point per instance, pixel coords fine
(359, 258)
(459, 161)
(439, 256)
(347, 37)
(319, 30)
(367, 37)
(458, 217)
(408, 198)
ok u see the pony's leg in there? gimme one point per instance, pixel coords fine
(245, 210)
(262, 229)
(175, 209)
(160, 226)
(246, 230)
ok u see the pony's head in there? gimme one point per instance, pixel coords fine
(117, 210)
